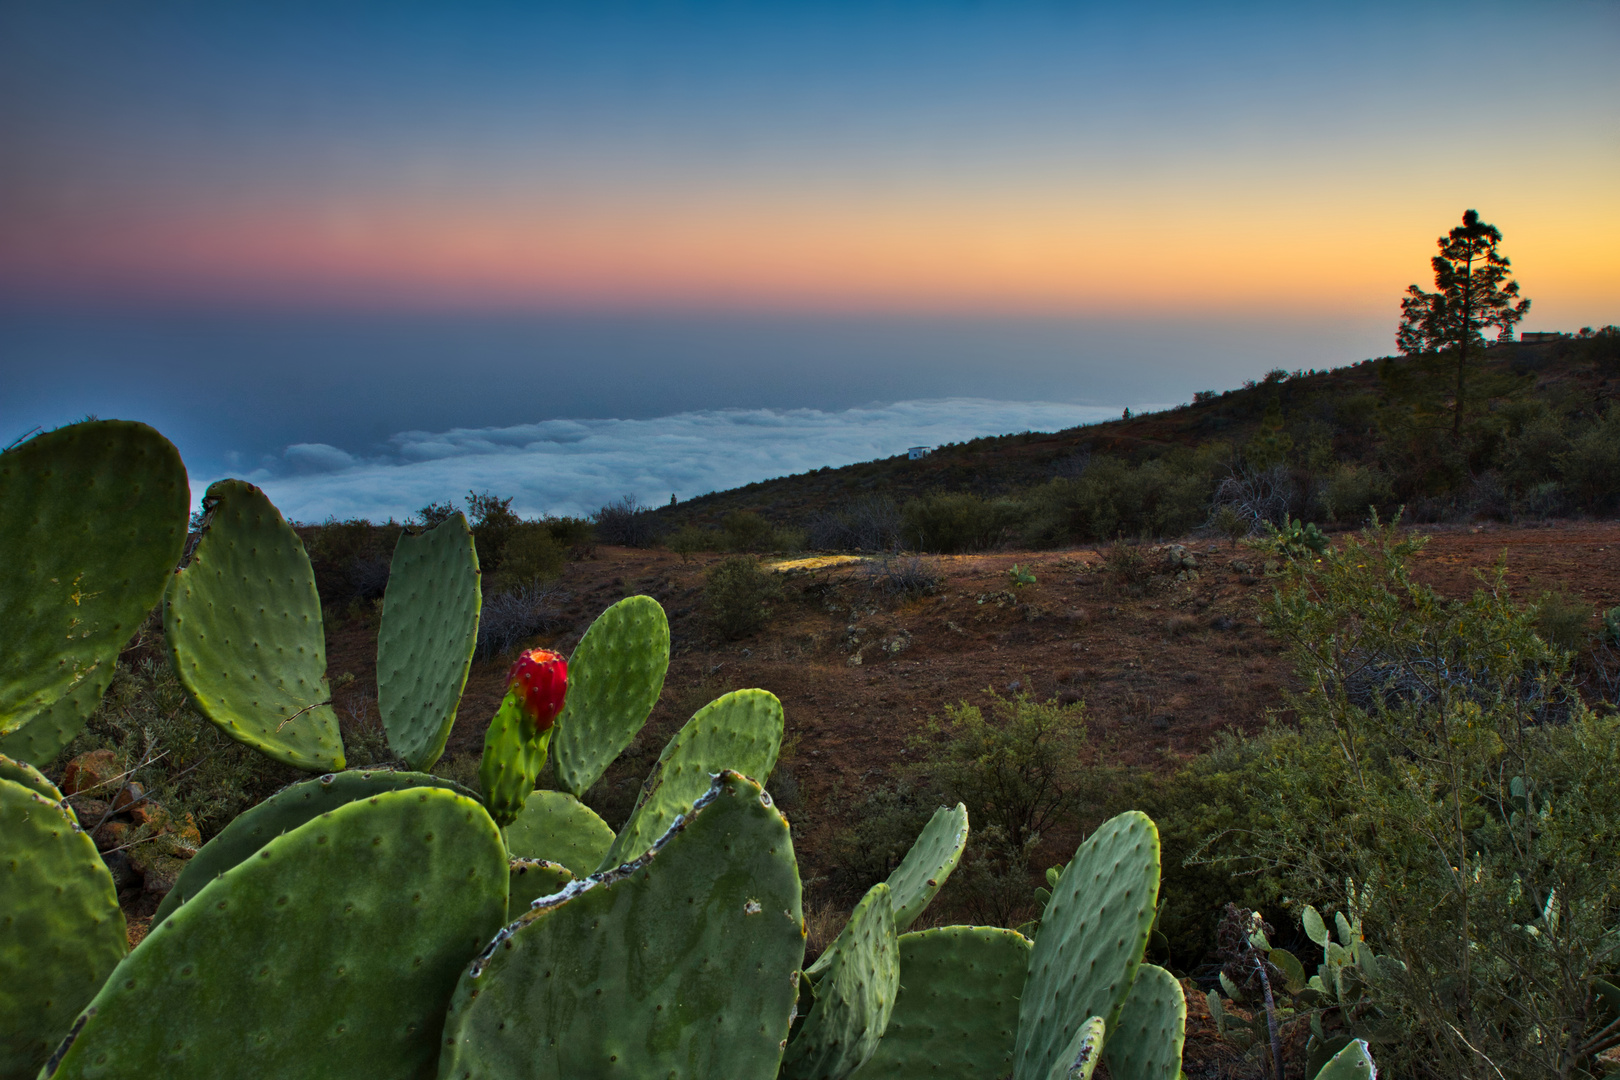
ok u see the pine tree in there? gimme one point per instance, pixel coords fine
(1473, 292)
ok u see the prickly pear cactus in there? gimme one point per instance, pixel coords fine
(615, 677)
(682, 964)
(45, 734)
(1146, 1044)
(1352, 1063)
(920, 875)
(243, 626)
(61, 932)
(530, 880)
(331, 952)
(512, 761)
(1090, 942)
(854, 999)
(741, 731)
(558, 828)
(20, 772)
(1078, 1058)
(282, 813)
(957, 1010)
(95, 518)
(426, 640)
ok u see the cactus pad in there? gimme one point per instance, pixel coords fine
(95, 518)
(531, 879)
(425, 644)
(45, 734)
(331, 952)
(1146, 1044)
(614, 679)
(282, 813)
(854, 999)
(1091, 940)
(741, 731)
(957, 1010)
(1079, 1058)
(243, 625)
(1351, 1063)
(683, 963)
(558, 828)
(20, 772)
(60, 928)
(920, 875)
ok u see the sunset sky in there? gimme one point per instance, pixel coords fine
(1273, 173)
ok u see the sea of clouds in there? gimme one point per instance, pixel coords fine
(576, 466)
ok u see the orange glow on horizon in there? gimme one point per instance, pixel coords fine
(1148, 253)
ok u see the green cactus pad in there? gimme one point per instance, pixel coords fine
(682, 964)
(1091, 940)
(957, 1010)
(558, 828)
(332, 952)
(60, 928)
(1078, 1059)
(425, 644)
(282, 813)
(46, 734)
(920, 875)
(530, 880)
(95, 519)
(20, 772)
(243, 625)
(1352, 1063)
(741, 731)
(1146, 1043)
(512, 761)
(614, 679)
(854, 999)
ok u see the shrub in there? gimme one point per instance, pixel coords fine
(1018, 770)
(1444, 767)
(1354, 491)
(747, 531)
(870, 524)
(627, 523)
(1563, 620)
(690, 539)
(493, 521)
(529, 556)
(1164, 497)
(738, 594)
(949, 522)
(510, 618)
(903, 576)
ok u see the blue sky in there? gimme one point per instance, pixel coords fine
(263, 225)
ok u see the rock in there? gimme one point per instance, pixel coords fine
(123, 874)
(160, 873)
(897, 643)
(854, 660)
(89, 771)
(129, 795)
(112, 834)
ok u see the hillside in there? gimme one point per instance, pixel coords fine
(1393, 413)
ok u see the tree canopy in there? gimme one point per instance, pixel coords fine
(1473, 291)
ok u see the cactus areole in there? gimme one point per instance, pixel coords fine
(539, 683)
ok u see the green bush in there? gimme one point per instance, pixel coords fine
(530, 555)
(1591, 466)
(747, 531)
(738, 594)
(1444, 767)
(950, 522)
(1353, 491)
(688, 540)
(1165, 497)
(1563, 620)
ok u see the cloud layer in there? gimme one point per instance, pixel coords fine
(576, 466)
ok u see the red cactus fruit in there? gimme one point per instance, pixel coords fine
(539, 678)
